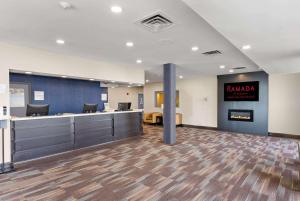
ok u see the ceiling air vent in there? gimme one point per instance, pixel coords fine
(156, 22)
(214, 52)
(238, 68)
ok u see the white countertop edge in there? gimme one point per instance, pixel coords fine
(69, 115)
(4, 118)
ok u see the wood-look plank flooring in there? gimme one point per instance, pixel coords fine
(204, 165)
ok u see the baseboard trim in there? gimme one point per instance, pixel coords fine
(6, 168)
(283, 135)
(200, 127)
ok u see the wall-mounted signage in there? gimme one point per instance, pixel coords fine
(241, 91)
(17, 97)
(103, 97)
(39, 95)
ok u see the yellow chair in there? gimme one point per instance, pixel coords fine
(178, 119)
(151, 118)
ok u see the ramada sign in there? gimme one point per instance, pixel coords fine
(241, 91)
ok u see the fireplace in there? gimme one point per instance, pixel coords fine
(240, 115)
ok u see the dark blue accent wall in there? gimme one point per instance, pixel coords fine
(63, 95)
(260, 124)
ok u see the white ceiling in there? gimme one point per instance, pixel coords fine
(92, 31)
(272, 27)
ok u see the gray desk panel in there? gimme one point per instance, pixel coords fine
(37, 138)
(42, 151)
(93, 130)
(122, 133)
(84, 126)
(36, 123)
(127, 116)
(46, 131)
(104, 132)
(86, 142)
(32, 143)
(99, 130)
(93, 118)
(127, 125)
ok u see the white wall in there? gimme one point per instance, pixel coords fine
(284, 104)
(28, 59)
(124, 94)
(197, 100)
(4, 101)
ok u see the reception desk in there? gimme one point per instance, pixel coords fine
(35, 137)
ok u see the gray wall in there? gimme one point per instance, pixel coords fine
(260, 124)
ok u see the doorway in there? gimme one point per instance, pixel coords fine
(140, 101)
(20, 96)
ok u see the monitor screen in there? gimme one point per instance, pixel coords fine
(124, 106)
(37, 110)
(90, 108)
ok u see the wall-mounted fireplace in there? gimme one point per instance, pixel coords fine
(240, 115)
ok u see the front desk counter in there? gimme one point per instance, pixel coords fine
(35, 137)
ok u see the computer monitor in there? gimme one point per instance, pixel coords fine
(124, 106)
(37, 110)
(90, 108)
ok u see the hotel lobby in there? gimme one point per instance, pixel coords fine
(149, 100)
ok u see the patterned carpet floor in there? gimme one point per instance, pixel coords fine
(204, 165)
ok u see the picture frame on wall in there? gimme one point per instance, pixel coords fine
(104, 97)
(39, 95)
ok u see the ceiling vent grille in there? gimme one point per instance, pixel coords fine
(214, 52)
(238, 68)
(156, 22)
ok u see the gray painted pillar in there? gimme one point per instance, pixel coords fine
(169, 103)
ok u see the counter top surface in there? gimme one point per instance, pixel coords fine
(4, 118)
(71, 115)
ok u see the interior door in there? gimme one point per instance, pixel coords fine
(19, 98)
(140, 101)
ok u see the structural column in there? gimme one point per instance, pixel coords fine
(169, 103)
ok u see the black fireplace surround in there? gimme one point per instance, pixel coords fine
(240, 115)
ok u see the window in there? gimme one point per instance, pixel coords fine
(159, 98)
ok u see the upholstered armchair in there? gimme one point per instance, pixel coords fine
(178, 119)
(151, 117)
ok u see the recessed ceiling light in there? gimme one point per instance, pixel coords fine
(222, 66)
(65, 5)
(64, 76)
(231, 71)
(180, 77)
(29, 73)
(139, 61)
(195, 48)
(113, 81)
(147, 81)
(246, 47)
(116, 9)
(129, 44)
(91, 79)
(60, 41)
